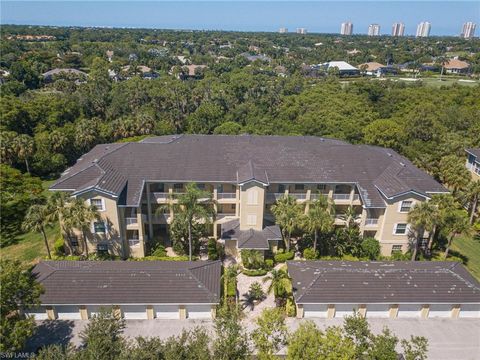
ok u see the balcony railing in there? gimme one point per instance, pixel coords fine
(225, 195)
(299, 196)
(160, 196)
(371, 222)
(317, 196)
(341, 196)
(222, 215)
(356, 197)
(131, 220)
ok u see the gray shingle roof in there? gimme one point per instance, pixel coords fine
(475, 152)
(233, 159)
(426, 282)
(129, 282)
(250, 239)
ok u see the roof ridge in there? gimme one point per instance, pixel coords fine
(315, 278)
(204, 286)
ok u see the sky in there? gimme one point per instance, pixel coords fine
(446, 17)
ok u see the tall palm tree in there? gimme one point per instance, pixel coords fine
(471, 195)
(23, 145)
(287, 215)
(195, 206)
(319, 218)
(441, 61)
(277, 280)
(422, 218)
(456, 223)
(57, 204)
(36, 220)
(81, 216)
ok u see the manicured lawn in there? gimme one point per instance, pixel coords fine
(469, 248)
(30, 247)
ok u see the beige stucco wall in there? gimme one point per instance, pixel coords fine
(391, 217)
(247, 209)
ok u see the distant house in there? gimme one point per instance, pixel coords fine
(50, 75)
(109, 54)
(125, 73)
(251, 58)
(455, 66)
(376, 69)
(473, 162)
(343, 68)
(188, 71)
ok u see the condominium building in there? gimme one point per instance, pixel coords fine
(423, 29)
(473, 162)
(131, 184)
(373, 30)
(283, 30)
(468, 30)
(302, 31)
(398, 29)
(346, 28)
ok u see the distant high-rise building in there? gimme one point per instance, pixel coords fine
(373, 30)
(346, 29)
(301, 31)
(398, 29)
(423, 29)
(468, 30)
(283, 30)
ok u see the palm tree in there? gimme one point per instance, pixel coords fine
(471, 195)
(36, 220)
(441, 60)
(350, 217)
(195, 206)
(57, 205)
(80, 216)
(287, 215)
(422, 218)
(319, 218)
(23, 145)
(456, 223)
(277, 280)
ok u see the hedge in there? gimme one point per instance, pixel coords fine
(259, 272)
(282, 257)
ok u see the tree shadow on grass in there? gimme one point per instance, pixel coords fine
(58, 332)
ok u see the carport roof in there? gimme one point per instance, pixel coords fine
(360, 282)
(129, 282)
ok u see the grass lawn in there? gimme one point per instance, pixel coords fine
(30, 247)
(470, 249)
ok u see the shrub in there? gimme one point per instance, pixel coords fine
(59, 247)
(254, 272)
(370, 248)
(310, 254)
(282, 257)
(159, 251)
(269, 264)
(290, 308)
(163, 258)
(256, 291)
(399, 256)
(232, 288)
(252, 259)
(212, 249)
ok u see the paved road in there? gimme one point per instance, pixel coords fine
(448, 339)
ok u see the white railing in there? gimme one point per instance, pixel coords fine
(299, 196)
(341, 196)
(371, 222)
(278, 195)
(131, 220)
(225, 195)
(160, 195)
(356, 197)
(317, 196)
(219, 215)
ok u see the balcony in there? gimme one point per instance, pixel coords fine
(131, 221)
(133, 241)
(341, 196)
(272, 197)
(160, 197)
(371, 222)
(317, 196)
(299, 196)
(227, 197)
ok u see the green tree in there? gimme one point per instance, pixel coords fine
(102, 336)
(385, 133)
(319, 218)
(310, 343)
(455, 223)
(277, 279)
(195, 206)
(36, 220)
(80, 216)
(228, 128)
(229, 277)
(370, 248)
(189, 345)
(270, 333)
(287, 215)
(24, 149)
(453, 172)
(231, 341)
(19, 291)
(471, 195)
(423, 217)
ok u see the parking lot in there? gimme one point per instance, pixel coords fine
(448, 339)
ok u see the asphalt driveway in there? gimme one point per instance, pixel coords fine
(457, 339)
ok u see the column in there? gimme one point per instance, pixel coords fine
(300, 311)
(83, 312)
(455, 311)
(150, 313)
(393, 313)
(141, 230)
(425, 310)
(214, 311)
(330, 311)
(149, 213)
(362, 310)
(51, 313)
(182, 311)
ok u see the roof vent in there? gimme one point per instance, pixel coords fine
(95, 161)
(402, 164)
(389, 154)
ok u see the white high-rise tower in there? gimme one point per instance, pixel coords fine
(346, 29)
(398, 29)
(373, 30)
(468, 30)
(423, 29)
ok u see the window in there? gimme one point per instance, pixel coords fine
(321, 187)
(98, 203)
(281, 188)
(406, 205)
(252, 197)
(400, 229)
(252, 220)
(396, 248)
(220, 188)
(232, 207)
(299, 186)
(201, 186)
(99, 227)
(178, 187)
(102, 248)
